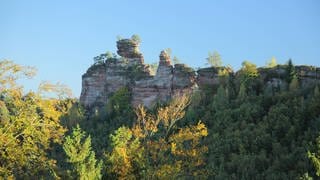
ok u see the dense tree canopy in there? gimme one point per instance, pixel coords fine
(28, 127)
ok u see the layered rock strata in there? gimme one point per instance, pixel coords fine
(103, 79)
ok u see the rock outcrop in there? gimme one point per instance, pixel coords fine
(168, 82)
(276, 76)
(158, 88)
(102, 80)
(128, 48)
(308, 74)
(94, 90)
(210, 76)
(105, 78)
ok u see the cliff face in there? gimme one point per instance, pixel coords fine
(167, 82)
(94, 90)
(105, 78)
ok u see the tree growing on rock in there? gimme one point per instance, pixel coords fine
(291, 72)
(176, 60)
(136, 38)
(272, 62)
(168, 51)
(214, 59)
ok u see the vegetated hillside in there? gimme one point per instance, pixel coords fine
(250, 125)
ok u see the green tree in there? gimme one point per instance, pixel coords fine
(291, 72)
(78, 150)
(242, 95)
(220, 99)
(136, 38)
(119, 37)
(119, 103)
(214, 59)
(294, 84)
(75, 114)
(153, 68)
(305, 176)
(109, 55)
(176, 60)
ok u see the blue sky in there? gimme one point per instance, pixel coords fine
(61, 37)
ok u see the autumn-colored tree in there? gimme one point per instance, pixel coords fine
(47, 88)
(248, 81)
(249, 70)
(272, 62)
(127, 156)
(224, 75)
(28, 128)
(10, 72)
(165, 151)
(315, 157)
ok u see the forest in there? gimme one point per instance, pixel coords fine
(238, 130)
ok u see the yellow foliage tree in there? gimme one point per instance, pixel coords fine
(249, 69)
(272, 62)
(126, 157)
(165, 150)
(28, 126)
(10, 72)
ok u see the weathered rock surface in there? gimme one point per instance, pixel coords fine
(210, 76)
(128, 48)
(94, 91)
(167, 82)
(103, 79)
(308, 75)
(276, 76)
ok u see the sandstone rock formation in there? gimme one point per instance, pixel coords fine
(276, 76)
(210, 76)
(128, 48)
(168, 82)
(308, 74)
(103, 79)
(94, 89)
